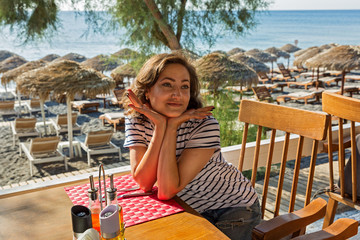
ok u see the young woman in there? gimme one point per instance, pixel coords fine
(174, 143)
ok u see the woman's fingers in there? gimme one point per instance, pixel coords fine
(134, 99)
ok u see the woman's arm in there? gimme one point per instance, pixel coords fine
(144, 161)
(173, 176)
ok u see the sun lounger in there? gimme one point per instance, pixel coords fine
(23, 127)
(98, 142)
(116, 100)
(296, 96)
(262, 94)
(305, 84)
(352, 77)
(85, 106)
(42, 150)
(7, 108)
(33, 106)
(115, 118)
(61, 126)
(328, 80)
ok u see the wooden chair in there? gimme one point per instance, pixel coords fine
(61, 125)
(311, 127)
(42, 150)
(98, 142)
(23, 127)
(344, 108)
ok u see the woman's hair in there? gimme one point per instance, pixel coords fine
(149, 74)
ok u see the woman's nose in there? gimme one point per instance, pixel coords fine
(176, 92)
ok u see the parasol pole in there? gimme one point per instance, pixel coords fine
(342, 82)
(42, 102)
(69, 123)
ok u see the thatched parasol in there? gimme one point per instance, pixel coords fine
(6, 54)
(307, 54)
(217, 70)
(278, 53)
(189, 55)
(290, 48)
(101, 63)
(342, 58)
(298, 53)
(64, 77)
(73, 57)
(251, 62)
(11, 63)
(12, 74)
(50, 57)
(123, 71)
(125, 53)
(261, 55)
(235, 51)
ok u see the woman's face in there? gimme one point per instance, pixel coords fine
(171, 93)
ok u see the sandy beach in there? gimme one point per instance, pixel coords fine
(15, 168)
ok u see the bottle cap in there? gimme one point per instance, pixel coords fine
(81, 219)
(109, 222)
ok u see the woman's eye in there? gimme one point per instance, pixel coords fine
(185, 87)
(166, 84)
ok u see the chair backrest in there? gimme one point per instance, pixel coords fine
(7, 105)
(98, 138)
(44, 145)
(344, 108)
(263, 75)
(281, 66)
(61, 119)
(307, 124)
(118, 93)
(285, 72)
(25, 123)
(35, 103)
(262, 93)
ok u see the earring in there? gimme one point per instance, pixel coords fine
(146, 98)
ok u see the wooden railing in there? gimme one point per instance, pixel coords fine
(232, 153)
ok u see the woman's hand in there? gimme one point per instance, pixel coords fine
(145, 109)
(199, 113)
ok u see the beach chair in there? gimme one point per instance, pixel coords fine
(98, 142)
(347, 192)
(115, 118)
(33, 106)
(7, 108)
(304, 96)
(287, 75)
(262, 93)
(304, 84)
(85, 106)
(116, 100)
(42, 150)
(23, 127)
(285, 216)
(61, 124)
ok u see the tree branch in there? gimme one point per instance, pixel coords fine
(180, 19)
(164, 27)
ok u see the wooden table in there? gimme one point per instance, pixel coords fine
(45, 214)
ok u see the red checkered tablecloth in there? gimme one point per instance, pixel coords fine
(136, 209)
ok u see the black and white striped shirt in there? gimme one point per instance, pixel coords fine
(219, 184)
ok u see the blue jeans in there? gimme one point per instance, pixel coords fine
(237, 222)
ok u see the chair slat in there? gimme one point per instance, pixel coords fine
(311, 171)
(256, 156)
(243, 146)
(296, 173)
(353, 162)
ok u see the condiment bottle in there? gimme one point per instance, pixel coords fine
(110, 223)
(94, 204)
(112, 199)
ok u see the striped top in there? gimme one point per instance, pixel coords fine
(219, 184)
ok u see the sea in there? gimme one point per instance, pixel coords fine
(274, 28)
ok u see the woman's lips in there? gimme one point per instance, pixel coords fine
(174, 104)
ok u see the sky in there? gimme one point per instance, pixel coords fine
(314, 4)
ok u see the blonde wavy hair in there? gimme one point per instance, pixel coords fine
(149, 74)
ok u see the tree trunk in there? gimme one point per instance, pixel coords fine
(173, 42)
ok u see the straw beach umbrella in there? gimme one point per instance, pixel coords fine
(50, 57)
(11, 63)
(73, 57)
(278, 53)
(123, 71)
(290, 48)
(235, 51)
(101, 63)
(262, 56)
(6, 54)
(189, 55)
(64, 77)
(125, 54)
(216, 69)
(251, 62)
(342, 58)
